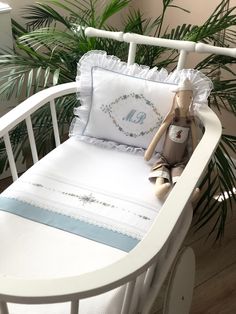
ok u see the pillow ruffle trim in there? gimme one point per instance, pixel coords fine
(111, 145)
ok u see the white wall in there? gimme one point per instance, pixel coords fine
(200, 10)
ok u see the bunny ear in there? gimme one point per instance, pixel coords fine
(186, 84)
(201, 84)
(172, 109)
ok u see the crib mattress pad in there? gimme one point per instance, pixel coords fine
(104, 189)
(98, 193)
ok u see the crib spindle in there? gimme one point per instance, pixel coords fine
(3, 308)
(129, 290)
(10, 156)
(182, 59)
(54, 122)
(132, 53)
(147, 283)
(31, 139)
(135, 301)
(74, 307)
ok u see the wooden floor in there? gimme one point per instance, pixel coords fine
(5, 183)
(215, 284)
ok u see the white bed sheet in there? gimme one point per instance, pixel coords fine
(80, 186)
(33, 250)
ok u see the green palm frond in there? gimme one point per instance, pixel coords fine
(50, 39)
(221, 19)
(17, 29)
(159, 21)
(113, 7)
(224, 95)
(181, 32)
(43, 16)
(80, 12)
(134, 22)
(26, 75)
(218, 199)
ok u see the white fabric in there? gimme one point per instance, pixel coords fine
(130, 111)
(126, 104)
(128, 208)
(43, 251)
(86, 203)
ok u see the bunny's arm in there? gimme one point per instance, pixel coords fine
(149, 152)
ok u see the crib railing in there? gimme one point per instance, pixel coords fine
(24, 112)
(128, 269)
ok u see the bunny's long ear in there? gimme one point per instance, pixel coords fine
(172, 109)
(191, 109)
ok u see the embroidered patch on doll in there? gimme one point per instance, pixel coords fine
(178, 134)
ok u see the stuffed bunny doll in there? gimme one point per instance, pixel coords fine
(179, 127)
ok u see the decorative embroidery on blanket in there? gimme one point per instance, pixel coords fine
(84, 198)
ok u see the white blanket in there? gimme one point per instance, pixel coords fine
(111, 202)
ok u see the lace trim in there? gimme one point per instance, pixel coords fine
(110, 144)
(100, 224)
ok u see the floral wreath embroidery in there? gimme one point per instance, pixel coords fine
(108, 109)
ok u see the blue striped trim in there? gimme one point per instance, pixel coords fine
(69, 224)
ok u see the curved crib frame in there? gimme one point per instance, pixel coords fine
(126, 270)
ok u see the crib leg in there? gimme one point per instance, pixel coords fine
(3, 308)
(181, 282)
(74, 307)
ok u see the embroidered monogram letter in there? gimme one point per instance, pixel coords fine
(134, 117)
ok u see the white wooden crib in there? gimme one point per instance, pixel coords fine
(85, 276)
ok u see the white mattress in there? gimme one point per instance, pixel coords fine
(42, 251)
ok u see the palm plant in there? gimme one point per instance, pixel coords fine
(46, 53)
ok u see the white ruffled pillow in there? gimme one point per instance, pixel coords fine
(123, 105)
